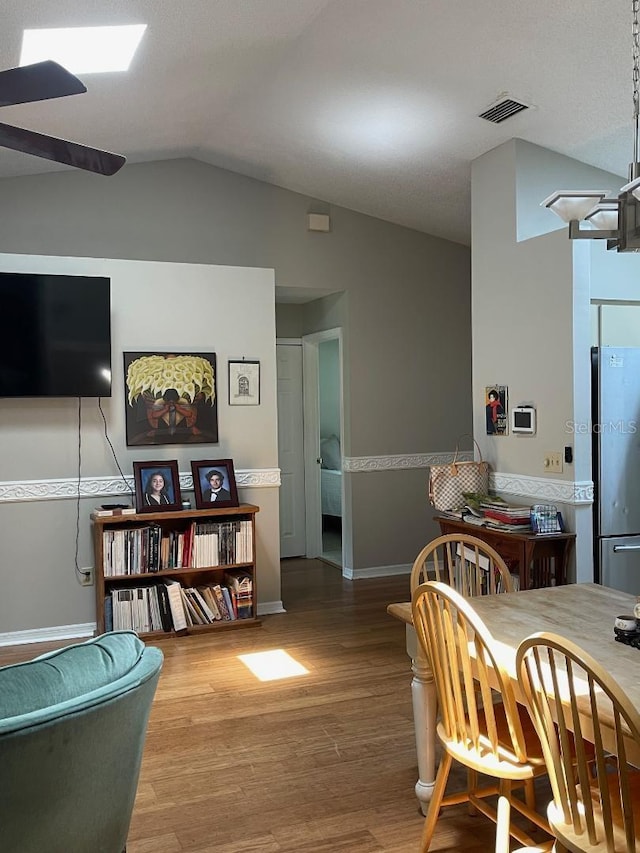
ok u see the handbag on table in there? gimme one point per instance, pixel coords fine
(448, 483)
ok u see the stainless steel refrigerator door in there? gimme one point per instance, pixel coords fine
(620, 563)
(617, 425)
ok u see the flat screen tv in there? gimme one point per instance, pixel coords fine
(56, 336)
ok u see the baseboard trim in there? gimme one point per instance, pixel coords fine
(73, 632)
(268, 608)
(47, 635)
(376, 571)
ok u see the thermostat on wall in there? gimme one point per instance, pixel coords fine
(523, 420)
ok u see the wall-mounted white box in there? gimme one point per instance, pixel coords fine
(318, 222)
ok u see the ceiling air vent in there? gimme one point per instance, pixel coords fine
(503, 109)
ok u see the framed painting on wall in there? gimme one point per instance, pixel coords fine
(170, 398)
(244, 383)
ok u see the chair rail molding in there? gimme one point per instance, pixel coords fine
(542, 488)
(104, 487)
(400, 461)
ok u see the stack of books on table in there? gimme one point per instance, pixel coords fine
(507, 517)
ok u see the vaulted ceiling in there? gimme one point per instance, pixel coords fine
(369, 104)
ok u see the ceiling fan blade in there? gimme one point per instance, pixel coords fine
(60, 150)
(37, 82)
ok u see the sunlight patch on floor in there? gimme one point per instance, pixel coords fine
(273, 665)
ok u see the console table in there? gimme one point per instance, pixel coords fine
(542, 558)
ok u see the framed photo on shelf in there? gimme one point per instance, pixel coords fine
(157, 486)
(244, 383)
(214, 483)
(170, 398)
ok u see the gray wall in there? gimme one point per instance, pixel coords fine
(402, 298)
(154, 306)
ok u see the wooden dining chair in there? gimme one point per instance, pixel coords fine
(494, 739)
(466, 563)
(472, 567)
(503, 838)
(596, 794)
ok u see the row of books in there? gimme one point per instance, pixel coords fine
(151, 548)
(170, 606)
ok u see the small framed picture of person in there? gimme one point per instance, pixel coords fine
(157, 486)
(214, 483)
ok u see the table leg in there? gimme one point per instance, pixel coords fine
(562, 562)
(525, 576)
(423, 692)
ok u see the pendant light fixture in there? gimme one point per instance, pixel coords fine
(616, 220)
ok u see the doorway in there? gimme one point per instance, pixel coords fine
(329, 401)
(310, 431)
(323, 441)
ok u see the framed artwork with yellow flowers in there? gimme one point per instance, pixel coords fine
(170, 398)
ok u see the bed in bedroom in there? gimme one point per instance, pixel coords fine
(331, 476)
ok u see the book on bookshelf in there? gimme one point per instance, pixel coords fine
(176, 606)
(227, 600)
(241, 585)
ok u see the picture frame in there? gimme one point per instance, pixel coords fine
(244, 382)
(204, 473)
(496, 399)
(170, 398)
(151, 496)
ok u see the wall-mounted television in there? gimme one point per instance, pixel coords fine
(56, 335)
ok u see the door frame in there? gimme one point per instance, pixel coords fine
(311, 415)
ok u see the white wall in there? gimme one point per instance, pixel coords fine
(522, 310)
(533, 324)
(155, 306)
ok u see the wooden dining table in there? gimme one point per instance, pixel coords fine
(583, 613)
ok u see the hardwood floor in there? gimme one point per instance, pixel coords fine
(319, 762)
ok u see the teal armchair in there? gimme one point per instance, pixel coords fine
(72, 731)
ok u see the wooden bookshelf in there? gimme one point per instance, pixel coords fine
(129, 570)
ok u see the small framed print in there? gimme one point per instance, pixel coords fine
(214, 483)
(157, 486)
(496, 408)
(244, 383)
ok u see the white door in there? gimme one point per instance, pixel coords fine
(291, 450)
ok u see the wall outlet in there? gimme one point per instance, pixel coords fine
(86, 576)
(552, 463)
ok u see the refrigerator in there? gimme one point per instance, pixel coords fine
(616, 466)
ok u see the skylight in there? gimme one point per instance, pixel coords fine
(83, 50)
